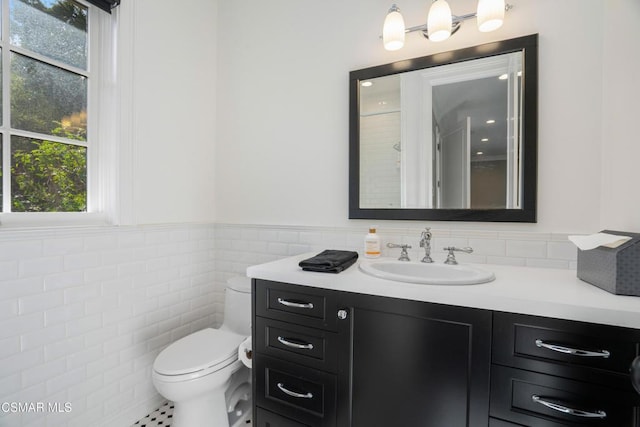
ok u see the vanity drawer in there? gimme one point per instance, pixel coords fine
(295, 391)
(565, 348)
(269, 419)
(296, 304)
(534, 399)
(494, 422)
(306, 346)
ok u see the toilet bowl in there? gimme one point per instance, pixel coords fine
(201, 373)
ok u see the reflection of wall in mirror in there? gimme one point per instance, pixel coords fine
(380, 161)
(489, 184)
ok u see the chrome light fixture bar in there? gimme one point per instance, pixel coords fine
(441, 23)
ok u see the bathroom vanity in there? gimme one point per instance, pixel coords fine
(535, 347)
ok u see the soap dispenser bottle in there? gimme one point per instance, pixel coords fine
(372, 244)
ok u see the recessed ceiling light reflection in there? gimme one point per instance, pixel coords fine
(503, 76)
(479, 153)
(484, 140)
(490, 122)
(368, 83)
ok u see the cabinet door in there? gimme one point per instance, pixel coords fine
(419, 364)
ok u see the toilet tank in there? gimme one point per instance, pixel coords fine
(237, 306)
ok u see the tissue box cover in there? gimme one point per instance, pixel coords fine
(614, 270)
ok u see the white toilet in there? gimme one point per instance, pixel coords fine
(201, 373)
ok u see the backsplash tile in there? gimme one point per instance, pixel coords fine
(489, 246)
(562, 250)
(526, 249)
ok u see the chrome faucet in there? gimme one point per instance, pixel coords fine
(404, 256)
(425, 242)
(451, 258)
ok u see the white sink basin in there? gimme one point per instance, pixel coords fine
(427, 274)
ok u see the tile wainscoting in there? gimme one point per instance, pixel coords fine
(85, 311)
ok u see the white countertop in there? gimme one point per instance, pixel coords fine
(538, 291)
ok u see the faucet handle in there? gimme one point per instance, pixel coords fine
(451, 257)
(404, 256)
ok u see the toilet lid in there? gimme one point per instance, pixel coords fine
(198, 351)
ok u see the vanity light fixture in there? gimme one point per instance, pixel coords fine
(441, 23)
(393, 30)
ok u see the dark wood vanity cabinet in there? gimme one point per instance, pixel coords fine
(551, 372)
(327, 358)
(297, 342)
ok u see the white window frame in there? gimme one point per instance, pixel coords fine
(101, 149)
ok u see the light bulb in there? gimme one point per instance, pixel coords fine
(393, 30)
(439, 21)
(490, 15)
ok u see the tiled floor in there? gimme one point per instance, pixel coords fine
(162, 416)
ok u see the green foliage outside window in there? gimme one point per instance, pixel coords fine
(48, 176)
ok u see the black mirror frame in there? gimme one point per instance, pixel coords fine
(529, 46)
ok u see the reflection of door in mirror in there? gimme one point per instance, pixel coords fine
(453, 154)
(485, 94)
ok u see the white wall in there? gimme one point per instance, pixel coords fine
(172, 76)
(281, 153)
(621, 93)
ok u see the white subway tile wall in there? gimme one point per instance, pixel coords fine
(83, 313)
(239, 246)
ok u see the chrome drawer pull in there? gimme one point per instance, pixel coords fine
(567, 410)
(574, 351)
(295, 304)
(293, 393)
(291, 344)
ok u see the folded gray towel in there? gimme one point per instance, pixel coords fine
(329, 261)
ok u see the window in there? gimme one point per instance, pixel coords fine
(50, 107)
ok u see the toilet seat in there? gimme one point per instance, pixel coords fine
(201, 353)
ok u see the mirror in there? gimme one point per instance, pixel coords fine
(451, 136)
